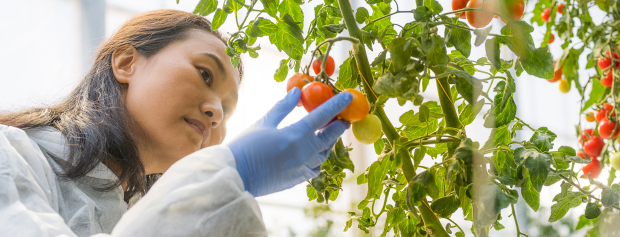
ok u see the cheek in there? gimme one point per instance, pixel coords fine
(218, 135)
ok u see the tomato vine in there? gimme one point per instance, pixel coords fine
(479, 179)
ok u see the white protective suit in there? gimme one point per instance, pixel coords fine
(200, 195)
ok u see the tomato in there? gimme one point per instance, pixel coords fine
(358, 109)
(608, 79)
(606, 127)
(557, 74)
(315, 94)
(615, 160)
(367, 130)
(593, 146)
(604, 62)
(580, 154)
(298, 80)
(546, 14)
(616, 59)
(586, 135)
(604, 112)
(561, 8)
(590, 117)
(564, 86)
(594, 169)
(458, 5)
(480, 19)
(329, 66)
(552, 38)
(512, 8)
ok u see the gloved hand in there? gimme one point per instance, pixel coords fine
(271, 159)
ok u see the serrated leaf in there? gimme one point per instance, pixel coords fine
(293, 9)
(536, 163)
(543, 139)
(310, 192)
(469, 112)
(461, 39)
(282, 71)
(376, 174)
(288, 38)
(538, 63)
(347, 75)
(597, 92)
(262, 27)
(559, 209)
(468, 86)
(334, 28)
(399, 54)
(271, 7)
(415, 193)
(529, 193)
(609, 197)
(428, 181)
(481, 35)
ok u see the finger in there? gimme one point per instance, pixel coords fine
(281, 109)
(328, 136)
(325, 112)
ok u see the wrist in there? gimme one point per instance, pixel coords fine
(242, 167)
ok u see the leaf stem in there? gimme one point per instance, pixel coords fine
(455, 224)
(514, 215)
(589, 194)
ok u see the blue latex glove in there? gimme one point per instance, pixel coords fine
(271, 159)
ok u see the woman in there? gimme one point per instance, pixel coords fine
(155, 101)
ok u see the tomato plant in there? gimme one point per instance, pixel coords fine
(593, 169)
(432, 48)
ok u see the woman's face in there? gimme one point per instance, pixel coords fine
(188, 82)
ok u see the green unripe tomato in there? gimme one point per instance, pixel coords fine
(615, 160)
(367, 130)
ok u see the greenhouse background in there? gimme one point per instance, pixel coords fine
(47, 46)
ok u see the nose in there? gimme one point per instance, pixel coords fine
(214, 113)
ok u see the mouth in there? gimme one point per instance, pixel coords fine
(196, 125)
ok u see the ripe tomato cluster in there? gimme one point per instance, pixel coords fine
(546, 14)
(607, 65)
(366, 127)
(608, 128)
(488, 10)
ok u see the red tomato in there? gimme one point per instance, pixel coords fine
(593, 146)
(616, 59)
(358, 109)
(315, 94)
(586, 135)
(512, 8)
(329, 66)
(552, 38)
(546, 14)
(298, 80)
(603, 113)
(458, 5)
(608, 79)
(557, 75)
(580, 154)
(480, 19)
(560, 8)
(604, 63)
(606, 127)
(593, 169)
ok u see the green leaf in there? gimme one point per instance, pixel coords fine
(218, 19)
(559, 209)
(399, 86)
(334, 28)
(592, 211)
(379, 59)
(461, 39)
(438, 58)
(235, 5)
(492, 49)
(481, 35)
(537, 164)
(468, 86)
(567, 150)
(339, 156)
(424, 113)
(529, 193)
(498, 136)
(361, 14)
(428, 181)
(468, 113)
(583, 221)
(262, 27)
(288, 38)
(205, 7)
(282, 71)
(310, 192)
(379, 144)
(433, 5)
(362, 179)
(271, 7)
(445, 206)
(488, 203)
(347, 77)
(415, 193)
(596, 94)
(293, 9)
(538, 63)
(376, 174)
(609, 197)
(399, 54)
(543, 139)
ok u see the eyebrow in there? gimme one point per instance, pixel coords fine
(219, 63)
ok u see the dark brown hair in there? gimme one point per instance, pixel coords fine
(93, 117)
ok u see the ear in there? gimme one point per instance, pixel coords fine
(124, 60)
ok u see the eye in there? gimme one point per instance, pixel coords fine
(207, 76)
